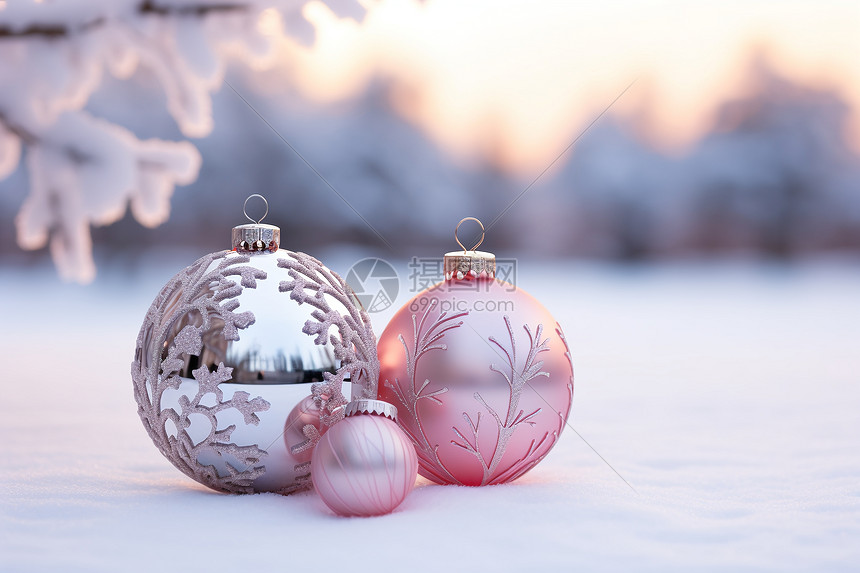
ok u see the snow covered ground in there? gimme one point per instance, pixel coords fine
(728, 396)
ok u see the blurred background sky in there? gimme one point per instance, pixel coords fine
(738, 133)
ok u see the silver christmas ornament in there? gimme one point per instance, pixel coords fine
(245, 358)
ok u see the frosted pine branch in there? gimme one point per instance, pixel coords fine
(85, 171)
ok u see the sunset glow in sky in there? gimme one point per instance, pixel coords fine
(518, 80)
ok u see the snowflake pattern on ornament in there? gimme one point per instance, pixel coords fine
(354, 343)
(211, 293)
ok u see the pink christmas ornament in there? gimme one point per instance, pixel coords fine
(480, 373)
(364, 465)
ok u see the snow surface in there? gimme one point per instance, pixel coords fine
(726, 395)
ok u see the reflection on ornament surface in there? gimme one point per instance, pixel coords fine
(483, 394)
(305, 413)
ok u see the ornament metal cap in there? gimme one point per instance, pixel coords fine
(255, 237)
(367, 406)
(469, 263)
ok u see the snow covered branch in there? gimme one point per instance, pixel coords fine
(83, 170)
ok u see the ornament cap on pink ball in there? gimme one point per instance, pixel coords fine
(469, 264)
(364, 465)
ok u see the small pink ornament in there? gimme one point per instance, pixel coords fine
(480, 372)
(364, 465)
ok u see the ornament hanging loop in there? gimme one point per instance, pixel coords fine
(469, 263)
(456, 238)
(245, 208)
(255, 236)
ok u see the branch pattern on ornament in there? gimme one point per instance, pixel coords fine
(354, 343)
(517, 379)
(212, 294)
(570, 380)
(422, 343)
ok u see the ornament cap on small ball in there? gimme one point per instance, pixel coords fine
(364, 465)
(480, 371)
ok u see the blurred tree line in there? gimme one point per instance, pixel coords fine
(774, 175)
